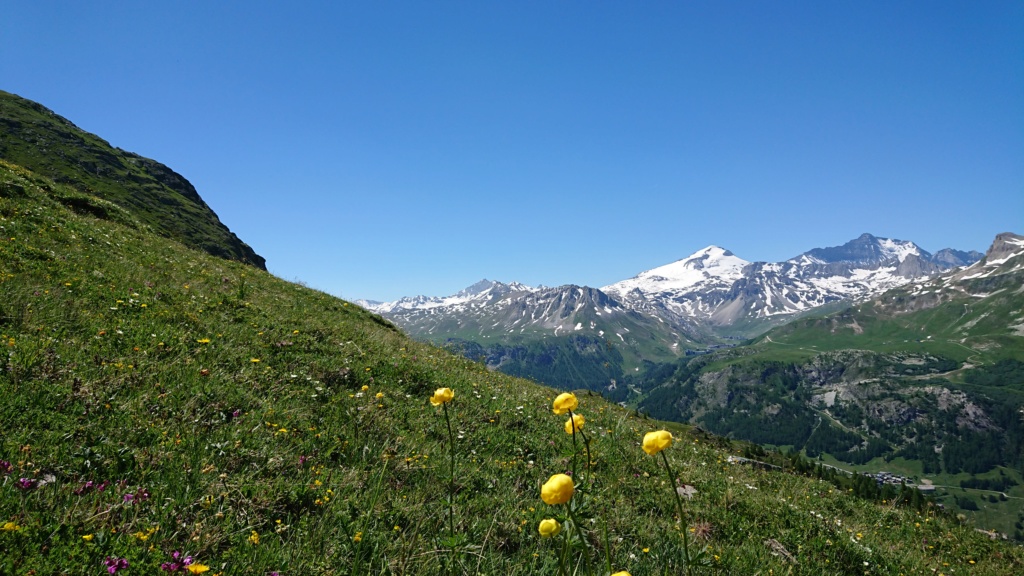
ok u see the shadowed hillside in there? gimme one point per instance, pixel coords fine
(34, 137)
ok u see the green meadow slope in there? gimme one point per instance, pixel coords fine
(156, 399)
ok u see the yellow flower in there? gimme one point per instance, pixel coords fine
(549, 527)
(380, 395)
(197, 568)
(365, 387)
(254, 538)
(557, 490)
(564, 402)
(442, 396)
(576, 422)
(623, 573)
(203, 340)
(88, 537)
(655, 442)
(9, 527)
(254, 361)
(358, 537)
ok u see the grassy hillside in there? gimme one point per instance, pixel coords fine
(34, 137)
(157, 400)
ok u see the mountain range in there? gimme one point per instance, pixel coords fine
(692, 304)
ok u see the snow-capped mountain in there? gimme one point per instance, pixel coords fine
(711, 292)
(494, 310)
(475, 296)
(718, 288)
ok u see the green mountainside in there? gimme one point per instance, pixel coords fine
(927, 379)
(34, 137)
(159, 403)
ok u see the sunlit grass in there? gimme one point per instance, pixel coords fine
(161, 404)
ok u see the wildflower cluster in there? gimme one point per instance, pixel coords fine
(181, 563)
(114, 564)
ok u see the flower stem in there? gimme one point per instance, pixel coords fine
(583, 539)
(586, 445)
(451, 478)
(682, 515)
(561, 557)
(574, 477)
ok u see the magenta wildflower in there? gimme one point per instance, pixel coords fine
(114, 564)
(128, 498)
(179, 563)
(27, 483)
(5, 467)
(84, 488)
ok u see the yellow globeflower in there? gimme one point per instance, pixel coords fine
(557, 490)
(655, 442)
(623, 573)
(564, 402)
(576, 421)
(549, 527)
(442, 396)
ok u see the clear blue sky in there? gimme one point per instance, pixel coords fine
(381, 149)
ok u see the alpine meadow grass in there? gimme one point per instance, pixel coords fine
(164, 410)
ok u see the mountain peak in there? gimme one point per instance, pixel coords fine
(1005, 246)
(866, 249)
(477, 288)
(711, 250)
(709, 264)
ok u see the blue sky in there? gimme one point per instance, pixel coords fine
(382, 149)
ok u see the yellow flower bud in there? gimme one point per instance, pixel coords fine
(442, 396)
(549, 527)
(564, 402)
(557, 490)
(655, 442)
(576, 421)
